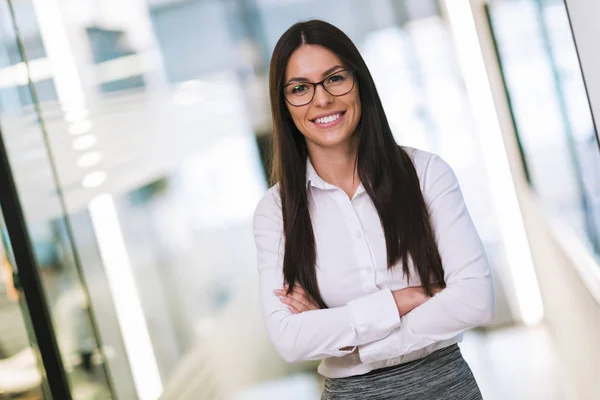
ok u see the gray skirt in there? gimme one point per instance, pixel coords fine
(444, 374)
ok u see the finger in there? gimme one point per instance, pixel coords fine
(297, 294)
(304, 293)
(292, 305)
(281, 292)
(293, 310)
(291, 302)
(306, 298)
(285, 288)
(300, 298)
(299, 289)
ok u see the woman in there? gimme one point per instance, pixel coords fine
(368, 258)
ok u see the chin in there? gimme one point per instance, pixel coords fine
(334, 141)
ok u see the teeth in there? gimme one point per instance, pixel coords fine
(328, 119)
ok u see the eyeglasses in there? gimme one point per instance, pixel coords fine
(337, 84)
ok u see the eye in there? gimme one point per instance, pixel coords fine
(338, 78)
(299, 89)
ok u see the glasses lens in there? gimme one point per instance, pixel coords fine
(299, 93)
(339, 83)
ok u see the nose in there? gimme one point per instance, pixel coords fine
(322, 96)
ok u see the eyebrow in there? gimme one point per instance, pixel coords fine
(324, 74)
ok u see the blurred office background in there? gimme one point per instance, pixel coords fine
(137, 132)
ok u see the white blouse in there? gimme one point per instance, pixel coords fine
(356, 284)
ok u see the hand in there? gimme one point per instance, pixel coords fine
(297, 301)
(410, 298)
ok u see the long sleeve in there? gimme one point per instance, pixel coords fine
(468, 299)
(313, 334)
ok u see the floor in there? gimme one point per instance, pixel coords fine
(515, 363)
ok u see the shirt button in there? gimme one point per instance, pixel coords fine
(359, 234)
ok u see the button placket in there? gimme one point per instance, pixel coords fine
(374, 278)
(360, 245)
(380, 280)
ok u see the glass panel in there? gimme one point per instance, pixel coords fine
(31, 162)
(551, 109)
(20, 376)
(571, 89)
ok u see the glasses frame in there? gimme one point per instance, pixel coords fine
(322, 83)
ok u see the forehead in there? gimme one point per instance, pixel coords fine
(310, 61)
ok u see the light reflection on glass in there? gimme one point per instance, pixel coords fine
(84, 142)
(89, 159)
(94, 179)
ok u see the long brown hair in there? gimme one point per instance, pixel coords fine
(385, 170)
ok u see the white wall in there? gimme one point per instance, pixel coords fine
(572, 312)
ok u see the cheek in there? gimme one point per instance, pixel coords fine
(298, 116)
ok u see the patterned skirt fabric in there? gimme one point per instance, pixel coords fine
(443, 375)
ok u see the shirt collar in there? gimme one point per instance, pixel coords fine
(313, 179)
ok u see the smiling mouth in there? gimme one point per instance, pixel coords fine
(328, 119)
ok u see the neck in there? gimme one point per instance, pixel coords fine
(336, 166)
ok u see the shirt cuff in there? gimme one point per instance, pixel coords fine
(398, 343)
(342, 353)
(381, 349)
(374, 316)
